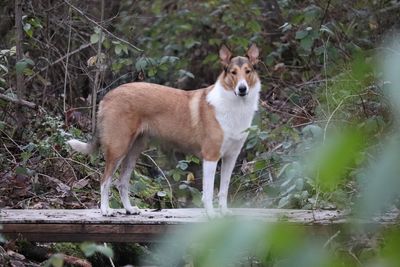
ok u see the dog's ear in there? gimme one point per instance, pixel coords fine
(253, 54)
(225, 55)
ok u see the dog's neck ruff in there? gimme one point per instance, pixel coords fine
(234, 113)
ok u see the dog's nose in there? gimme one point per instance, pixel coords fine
(242, 90)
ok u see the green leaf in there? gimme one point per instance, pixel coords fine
(183, 165)
(56, 260)
(90, 248)
(335, 157)
(176, 176)
(307, 43)
(94, 38)
(325, 28)
(21, 170)
(299, 184)
(196, 196)
(141, 64)
(125, 49)
(260, 165)
(183, 186)
(22, 65)
(263, 135)
(284, 202)
(254, 26)
(152, 72)
(251, 143)
(170, 59)
(35, 22)
(301, 34)
(183, 73)
(161, 194)
(28, 29)
(4, 68)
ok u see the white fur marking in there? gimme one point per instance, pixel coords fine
(194, 106)
(209, 168)
(81, 147)
(240, 83)
(234, 113)
(105, 191)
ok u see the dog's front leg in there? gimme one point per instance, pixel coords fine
(209, 168)
(228, 163)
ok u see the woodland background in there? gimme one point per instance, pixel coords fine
(322, 85)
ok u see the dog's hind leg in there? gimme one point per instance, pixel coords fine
(127, 166)
(112, 164)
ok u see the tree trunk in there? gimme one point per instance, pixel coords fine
(20, 88)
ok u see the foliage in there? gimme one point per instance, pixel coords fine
(89, 249)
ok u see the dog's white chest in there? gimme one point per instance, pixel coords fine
(234, 114)
(235, 120)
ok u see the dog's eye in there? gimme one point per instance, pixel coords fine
(234, 72)
(248, 71)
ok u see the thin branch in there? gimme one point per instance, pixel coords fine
(67, 61)
(162, 173)
(325, 13)
(336, 109)
(59, 60)
(330, 239)
(101, 27)
(97, 77)
(109, 258)
(18, 101)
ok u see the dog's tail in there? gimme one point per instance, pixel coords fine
(84, 148)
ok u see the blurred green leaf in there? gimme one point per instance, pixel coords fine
(23, 64)
(94, 38)
(333, 159)
(90, 248)
(301, 34)
(56, 260)
(184, 73)
(28, 29)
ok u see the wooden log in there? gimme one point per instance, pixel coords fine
(55, 225)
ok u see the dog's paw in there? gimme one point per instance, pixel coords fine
(226, 212)
(132, 211)
(211, 214)
(108, 212)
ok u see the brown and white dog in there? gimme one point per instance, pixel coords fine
(210, 123)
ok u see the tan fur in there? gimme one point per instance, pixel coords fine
(183, 118)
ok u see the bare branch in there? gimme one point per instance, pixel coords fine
(97, 77)
(59, 60)
(101, 27)
(18, 101)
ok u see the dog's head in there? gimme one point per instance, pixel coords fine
(239, 75)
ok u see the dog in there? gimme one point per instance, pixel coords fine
(210, 123)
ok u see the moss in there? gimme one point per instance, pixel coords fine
(72, 249)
